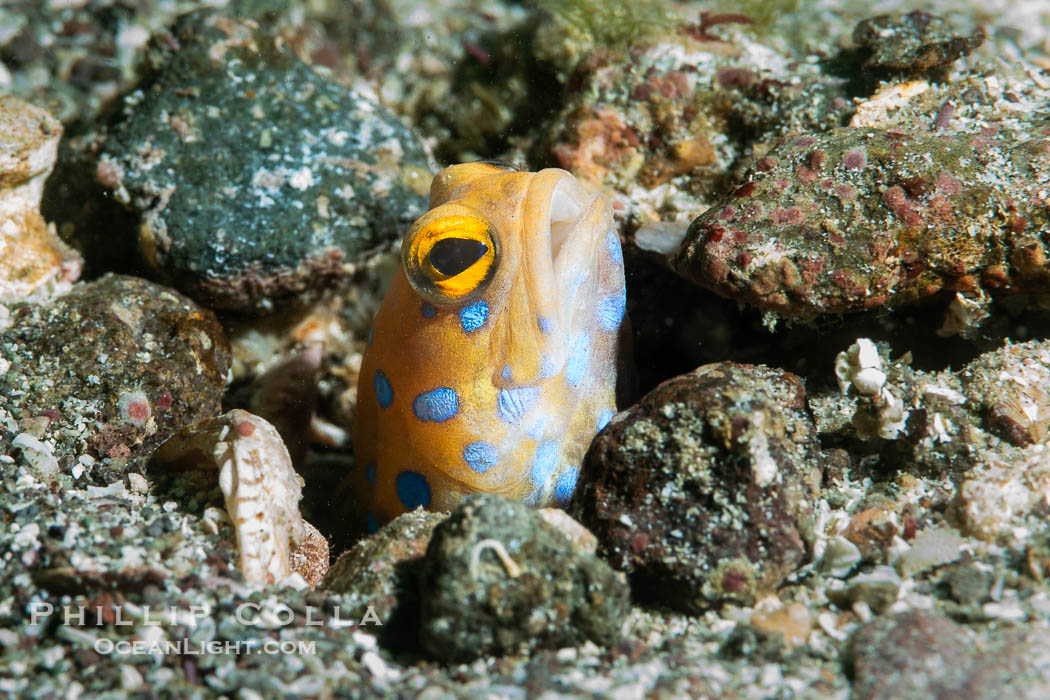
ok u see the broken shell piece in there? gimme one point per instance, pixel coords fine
(875, 111)
(40, 455)
(965, 314)
(310, 560)
(861, 361)
(582, 539)
(262, 494)
(34, 262)
(1011, 387)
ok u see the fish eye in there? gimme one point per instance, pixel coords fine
(451, 256)
(450, 259)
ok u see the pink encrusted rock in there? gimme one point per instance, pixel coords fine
(33, 260)
(861, 218)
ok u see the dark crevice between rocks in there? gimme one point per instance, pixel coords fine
(88, 218)
(492, 81)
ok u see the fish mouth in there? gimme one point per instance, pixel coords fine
(576, 220)
(562, 233)
(568, 202)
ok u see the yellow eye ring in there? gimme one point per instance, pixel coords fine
(450, 259)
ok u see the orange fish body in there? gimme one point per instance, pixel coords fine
(493, 359)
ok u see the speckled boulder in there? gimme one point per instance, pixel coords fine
(110, 369)
(704, 491)
(381, 575)
(860, 218)
(920, 654)
(252, 178)
(499, 578)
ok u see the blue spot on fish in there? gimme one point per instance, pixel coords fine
(413, 490)
(370, 474)
(428, 310)
(384, 392)
(372, 524)
(544, 462)
(538, 429)
(506, 373)
(545, 324)
(436, 405)
(603, 419)
(512, 404)
(579, 358)
(547, 367)
(566, 485)
(611, 310)
(612, 244)
(474, 316)
(481, 456)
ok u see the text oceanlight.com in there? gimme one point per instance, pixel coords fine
(136, 647)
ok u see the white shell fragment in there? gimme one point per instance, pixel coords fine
(262, 493)
(874, 112)
(39, 454)
(582, 539)
(861, 367)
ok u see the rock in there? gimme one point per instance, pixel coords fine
(34, 261)
(252, 179)
(703, 492)
(115, 366)
(659, 127)
(931, 548)
(859, 218)
(793, 622)
(1003, 497)
(967, 584)
(910, 655)
(840, 556)
(381, 574)
(917, 43)
(1009, 386)
(872, 530)
(919, 654)
(878, 589)
(498, 578)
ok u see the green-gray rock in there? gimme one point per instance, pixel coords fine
(498, 578)
(253, 178)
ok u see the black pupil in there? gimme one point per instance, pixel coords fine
(451, 256)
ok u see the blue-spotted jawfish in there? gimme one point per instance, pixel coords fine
(494, 356)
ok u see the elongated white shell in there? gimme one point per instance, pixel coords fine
(262, 493)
